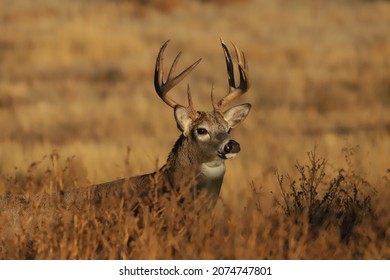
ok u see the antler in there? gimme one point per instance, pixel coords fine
(234, 91)
(162, 87)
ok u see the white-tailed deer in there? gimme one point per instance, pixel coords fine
(195, 164)
(198, 156)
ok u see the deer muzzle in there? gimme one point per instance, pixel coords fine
(229, 149)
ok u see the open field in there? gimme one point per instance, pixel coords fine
(78, 107)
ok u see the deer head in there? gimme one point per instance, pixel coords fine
(208, 133)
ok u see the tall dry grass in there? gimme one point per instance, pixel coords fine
(319, 217)
(77, 107)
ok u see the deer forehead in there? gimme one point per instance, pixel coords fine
(212, 121)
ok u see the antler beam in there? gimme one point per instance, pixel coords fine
(162, 87)
(243, 86)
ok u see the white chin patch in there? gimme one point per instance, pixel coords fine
(230, 155)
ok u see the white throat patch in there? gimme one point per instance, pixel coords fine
(213, 170)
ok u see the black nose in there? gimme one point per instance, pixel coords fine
(232, 147)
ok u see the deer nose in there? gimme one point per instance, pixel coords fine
(232, 147)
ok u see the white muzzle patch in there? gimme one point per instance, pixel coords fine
(230, 155)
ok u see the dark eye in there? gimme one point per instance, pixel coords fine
(201, 131)
(229, 130)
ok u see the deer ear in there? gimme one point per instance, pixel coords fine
(236, 114)
(183, 119)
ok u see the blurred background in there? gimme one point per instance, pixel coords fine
(76, 85)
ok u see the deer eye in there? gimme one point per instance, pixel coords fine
(201, 131)
(229, 130)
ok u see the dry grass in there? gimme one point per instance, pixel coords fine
(322, 218)
(76, 86)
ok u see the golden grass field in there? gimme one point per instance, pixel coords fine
(78, 107)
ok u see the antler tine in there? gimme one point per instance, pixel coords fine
(162, 87)
(234, 91)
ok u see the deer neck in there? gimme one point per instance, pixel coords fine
(185, 163)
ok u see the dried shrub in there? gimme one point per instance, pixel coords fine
(320, 204)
